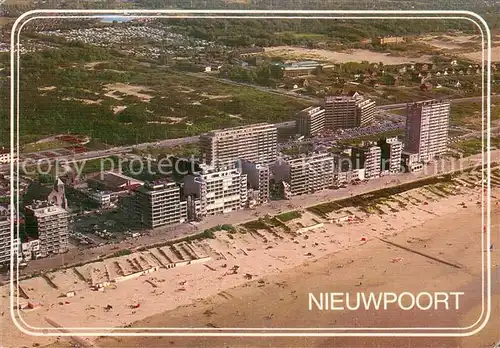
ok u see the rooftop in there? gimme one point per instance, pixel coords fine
(44, 208)
(245, 127)
(115, 180)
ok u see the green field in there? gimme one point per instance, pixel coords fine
(467, 115)
(179, 105)
(474, 146)
(48, 145)
(289, 216)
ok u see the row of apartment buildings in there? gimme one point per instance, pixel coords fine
(241, 163)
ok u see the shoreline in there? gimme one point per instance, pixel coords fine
(250, 305)
(283, 256)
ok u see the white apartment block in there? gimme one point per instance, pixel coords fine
(373, 160)
(158, 204)
(348, 111)
(310, 121)
(426, 130)
(6, 242)
(305, 174)
(31, 250)
(256, 143)
(369, 159)
(4, 156)
(395, 150)
(51, 224)
(219, 191)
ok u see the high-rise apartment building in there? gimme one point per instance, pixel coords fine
(258, 181)
(426, 130)
(215, 191)
(50, 223)
(256, 143)
(6, 242)
(158, 204)
(392, 149)
(310, 121)
(348, 111)
(369, 159)
(305, 174)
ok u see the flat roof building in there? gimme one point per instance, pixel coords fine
(50, 223)
(392, 149)
(113, 181)
(305, 174)
(303, 68)
(4, 156)
(256, 143)
(348, 111)
(6, 242)
(426, 130)
(310, 121)
(219, 191)
(158, 204)
(257, 181)
(369, 159)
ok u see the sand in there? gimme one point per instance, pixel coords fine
(449, 42)
(289, 267)
(281, 299)
(136, 91)
(477, 56)
(355, 55)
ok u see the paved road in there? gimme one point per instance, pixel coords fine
(193, 139)
(453, 101)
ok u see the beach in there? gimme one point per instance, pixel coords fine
(258, 279)
(282, 301)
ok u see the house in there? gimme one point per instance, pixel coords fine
(427, 67)
(426, 86)
(5, 156)
(385, 40)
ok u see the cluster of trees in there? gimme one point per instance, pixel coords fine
(319, 4)
(266, 75)
(247, 32)
(61, 110)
